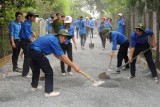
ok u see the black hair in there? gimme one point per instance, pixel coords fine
(18, 13)
(58, 14)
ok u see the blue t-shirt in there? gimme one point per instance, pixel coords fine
(92, 23)
(49, 25)
(26, 30)
(117, 38)
(48, 44)
(70, 31)
(140, 39)
(82, 27)
(15, 28)
(121, 26)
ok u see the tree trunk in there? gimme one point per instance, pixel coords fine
(157, 49)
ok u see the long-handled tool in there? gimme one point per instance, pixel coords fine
(118, 69)
(110, 64)
(132, 60)
(95, 83)
(105, 75)
(91, 44)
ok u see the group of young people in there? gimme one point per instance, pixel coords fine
(21, 36)
(58, 43)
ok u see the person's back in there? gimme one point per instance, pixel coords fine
(82, 28)
(118, 38)
(45, 47)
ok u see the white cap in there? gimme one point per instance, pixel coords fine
(120, 14)
(68, 19)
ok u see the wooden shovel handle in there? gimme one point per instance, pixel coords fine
(87, 76)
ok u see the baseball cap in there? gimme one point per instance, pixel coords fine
(120, 14)
(65, 33)
(32, 13)
(68, 19)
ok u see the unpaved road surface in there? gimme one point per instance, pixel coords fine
(77, 91)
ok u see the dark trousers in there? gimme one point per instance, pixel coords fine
(15, 54)
(40, 61)
(83, 39)
(92, 31)
(25, 46)
(148, 55)
(103, 39)
(77, 32)
(123, 54)
(66, 48)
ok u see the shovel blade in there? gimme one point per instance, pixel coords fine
(91, 45)
(104, 75)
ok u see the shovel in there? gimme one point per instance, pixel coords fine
(104, 75)
(91, 45)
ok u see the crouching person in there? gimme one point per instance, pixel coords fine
(139, 43)
(119, 39)
(41, 47)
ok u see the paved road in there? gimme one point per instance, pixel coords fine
(77, 91)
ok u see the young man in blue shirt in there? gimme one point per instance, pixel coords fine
(101, 27)
(139, 43)
(15, 28)
(92, 24)
(77, 27)
(82, 31)
(26, 38)
(50, 21)
(121, 24)
(67, 45)
(46, 45)
(119, 39)
(87, 24)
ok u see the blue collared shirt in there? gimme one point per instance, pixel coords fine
(48, 44)
(102, 26)
(135, 39)
(77, 23)
(87, 23)
(121, 26)
(108, 25)
(49, 25)
(92, 23)
(82, 27)
(117, 39)
(26, 30)
(98, 24)
(70, 31)
(15, 28)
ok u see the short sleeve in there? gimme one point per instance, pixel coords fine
(57, 49)
(149, 32)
